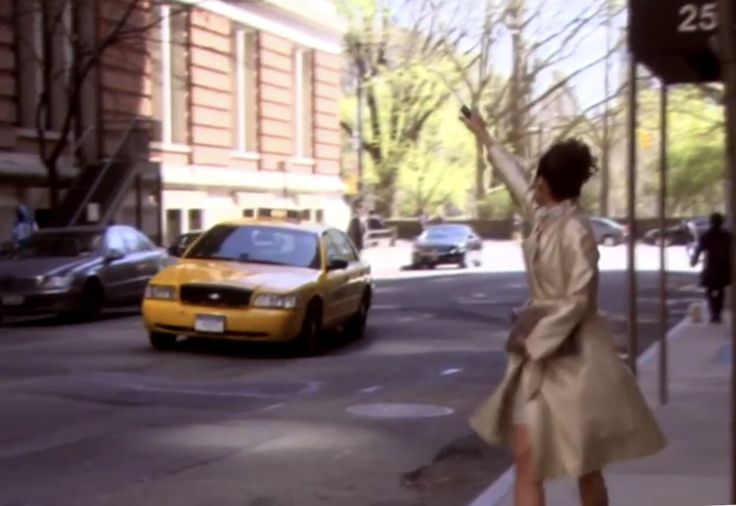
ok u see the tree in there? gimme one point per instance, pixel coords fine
(515, 98)
(64, 49)
(390, 62)
(696, 150)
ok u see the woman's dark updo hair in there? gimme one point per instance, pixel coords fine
(566, 167)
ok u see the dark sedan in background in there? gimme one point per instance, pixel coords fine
(182, 243)
(608, 232)
(683, 234)
(78, 270)
(448, 244)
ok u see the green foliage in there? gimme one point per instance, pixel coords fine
(497, 205)
(438, 170)
(696, 151)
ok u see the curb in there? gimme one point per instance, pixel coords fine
(500, 488)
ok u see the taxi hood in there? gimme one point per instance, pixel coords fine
(247, 275)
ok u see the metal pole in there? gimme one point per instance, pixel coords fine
(727, 47)
(663, 312)
(359, 123)
(139, 202)
(633, 327)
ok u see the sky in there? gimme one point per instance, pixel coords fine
(588, 47)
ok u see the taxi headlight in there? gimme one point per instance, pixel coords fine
(160, 292)
(274, 301)
(57, 283)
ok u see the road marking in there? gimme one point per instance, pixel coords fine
(271, 407)
(370, 390)
(386, 307)
(450, 372)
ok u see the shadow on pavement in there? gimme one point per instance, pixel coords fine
(50, 320)
(334, 342)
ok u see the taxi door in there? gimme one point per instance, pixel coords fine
(335, 281)
(355, 283)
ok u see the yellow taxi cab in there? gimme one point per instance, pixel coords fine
(261, 280)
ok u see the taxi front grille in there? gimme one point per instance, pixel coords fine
(214, 296)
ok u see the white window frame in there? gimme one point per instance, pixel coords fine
(300, 156)
(299, 105)
(167, 131)
(241, 97)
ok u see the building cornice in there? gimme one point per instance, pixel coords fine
(313, 30)
(201, 176)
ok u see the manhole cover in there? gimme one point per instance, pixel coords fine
(399, 410)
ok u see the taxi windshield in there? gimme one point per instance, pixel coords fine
(258, 244)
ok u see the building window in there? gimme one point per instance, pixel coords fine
(195, 220)
(249, 213)
(170, 75)
(37, 24)
(245, 84)
(304, 102)
(173, 225)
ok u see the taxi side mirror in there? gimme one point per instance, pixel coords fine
(337, 264)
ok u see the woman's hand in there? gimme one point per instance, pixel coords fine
(477, 126)
(515, 343)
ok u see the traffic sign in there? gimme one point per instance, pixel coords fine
(676, 39)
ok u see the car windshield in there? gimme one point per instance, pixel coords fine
(258, 244)
(59, 244)
(445, 234)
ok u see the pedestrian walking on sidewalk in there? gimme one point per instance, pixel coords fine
(567, 403)
(356, 229)
(716, 274)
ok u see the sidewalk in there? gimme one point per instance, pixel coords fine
(694, 469)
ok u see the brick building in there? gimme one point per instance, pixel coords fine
(242, 98)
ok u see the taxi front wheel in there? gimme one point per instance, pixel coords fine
(160, 341)
(308, 341)
(355, 327)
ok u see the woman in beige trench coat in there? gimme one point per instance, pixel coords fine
(567, 404)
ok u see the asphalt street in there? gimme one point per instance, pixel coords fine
(92, 416)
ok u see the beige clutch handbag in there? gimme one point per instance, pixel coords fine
(525, 319)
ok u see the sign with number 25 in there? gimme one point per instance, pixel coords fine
(696, 17)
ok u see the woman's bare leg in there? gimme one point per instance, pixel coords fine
(593, 489)
(528, 490)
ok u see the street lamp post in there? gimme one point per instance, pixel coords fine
(359, 117)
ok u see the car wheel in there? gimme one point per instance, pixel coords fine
(308, 341)
(609, 240)
(355, 327)
(478, 262)
(91, 301)
(161, 342)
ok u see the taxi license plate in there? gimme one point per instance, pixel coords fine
(12, 300)
(210, 324)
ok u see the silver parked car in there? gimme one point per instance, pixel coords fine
(78, 270)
